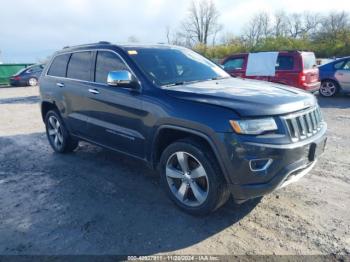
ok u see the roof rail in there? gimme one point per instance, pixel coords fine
(65, 47)
(104, 42)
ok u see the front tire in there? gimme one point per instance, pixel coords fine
(57, 134)
(192, 178)
(329, 88)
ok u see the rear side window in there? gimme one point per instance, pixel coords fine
(59, 65)
(234, 64)
(309, 60)
(34, 69)
(106, 62)
(285, 62)
(79, 66)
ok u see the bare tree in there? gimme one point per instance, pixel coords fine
(335, 25)
(202, 21)
(301, 24)
(280, 28)
(258, 28)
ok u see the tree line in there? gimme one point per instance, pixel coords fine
(328, 35)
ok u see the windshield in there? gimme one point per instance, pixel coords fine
(309, 60)
(175, 66)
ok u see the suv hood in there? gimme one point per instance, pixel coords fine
(246, 97)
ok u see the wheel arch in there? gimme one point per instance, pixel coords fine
(332, 80)
(46, 106)
(167, 134)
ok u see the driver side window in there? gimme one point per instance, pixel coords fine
(105, 62)
(347, 65)
(234, 64)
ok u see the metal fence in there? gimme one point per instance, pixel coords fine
(7, 70)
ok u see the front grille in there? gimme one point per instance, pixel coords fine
(304, 124)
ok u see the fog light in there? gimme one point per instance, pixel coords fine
(260, 164)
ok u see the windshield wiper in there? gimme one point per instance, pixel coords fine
(194, 81)
(219, 77)
(175, 84)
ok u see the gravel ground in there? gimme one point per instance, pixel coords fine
(94, 201)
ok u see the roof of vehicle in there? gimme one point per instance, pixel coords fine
(340, 59)
(121, 46)
(281, 51)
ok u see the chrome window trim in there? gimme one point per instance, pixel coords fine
(88, 50)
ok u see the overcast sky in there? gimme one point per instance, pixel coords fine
(33, 29)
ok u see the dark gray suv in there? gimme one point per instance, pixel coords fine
(209, 135)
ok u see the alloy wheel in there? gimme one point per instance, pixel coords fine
(187, 179)
(328, 88)
(55, 132)
(33, 82)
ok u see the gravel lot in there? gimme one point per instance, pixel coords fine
(94, 201)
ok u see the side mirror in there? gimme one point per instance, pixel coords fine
(122, 78)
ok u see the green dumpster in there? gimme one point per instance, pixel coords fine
(7, 70)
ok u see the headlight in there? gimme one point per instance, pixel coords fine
(253, 126)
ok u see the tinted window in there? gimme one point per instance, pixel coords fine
(59, 65)
(235, 63)
(35, 69)
(167, 66)
(338, 65)
(347, 65)
(309, 60)
(285, 62)
(79, 66)
(106, 62)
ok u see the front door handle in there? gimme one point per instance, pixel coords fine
(94, 91)
(60, 84)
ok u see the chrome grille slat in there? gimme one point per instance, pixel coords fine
(309, 124)
(304, 124)
(313, 120)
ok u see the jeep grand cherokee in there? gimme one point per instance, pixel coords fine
(209, 135)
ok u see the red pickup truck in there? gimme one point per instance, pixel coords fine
(293, 68)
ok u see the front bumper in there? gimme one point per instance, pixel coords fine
(289, 163)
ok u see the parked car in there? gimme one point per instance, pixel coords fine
(27, 76)
(209, 135)
(335, 77)
(293, 68)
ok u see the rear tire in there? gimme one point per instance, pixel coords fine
(57, 134)
(329, 88)
(199, 190)
(33, 81)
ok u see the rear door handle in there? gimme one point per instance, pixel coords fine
(94, 91)
(60, 84)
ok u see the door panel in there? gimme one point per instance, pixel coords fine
(343, 76)
(74, 96)
(115, 115)
(115, 119)
(75, 88)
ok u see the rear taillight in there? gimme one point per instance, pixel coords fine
(17, 78)
(302, 78)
